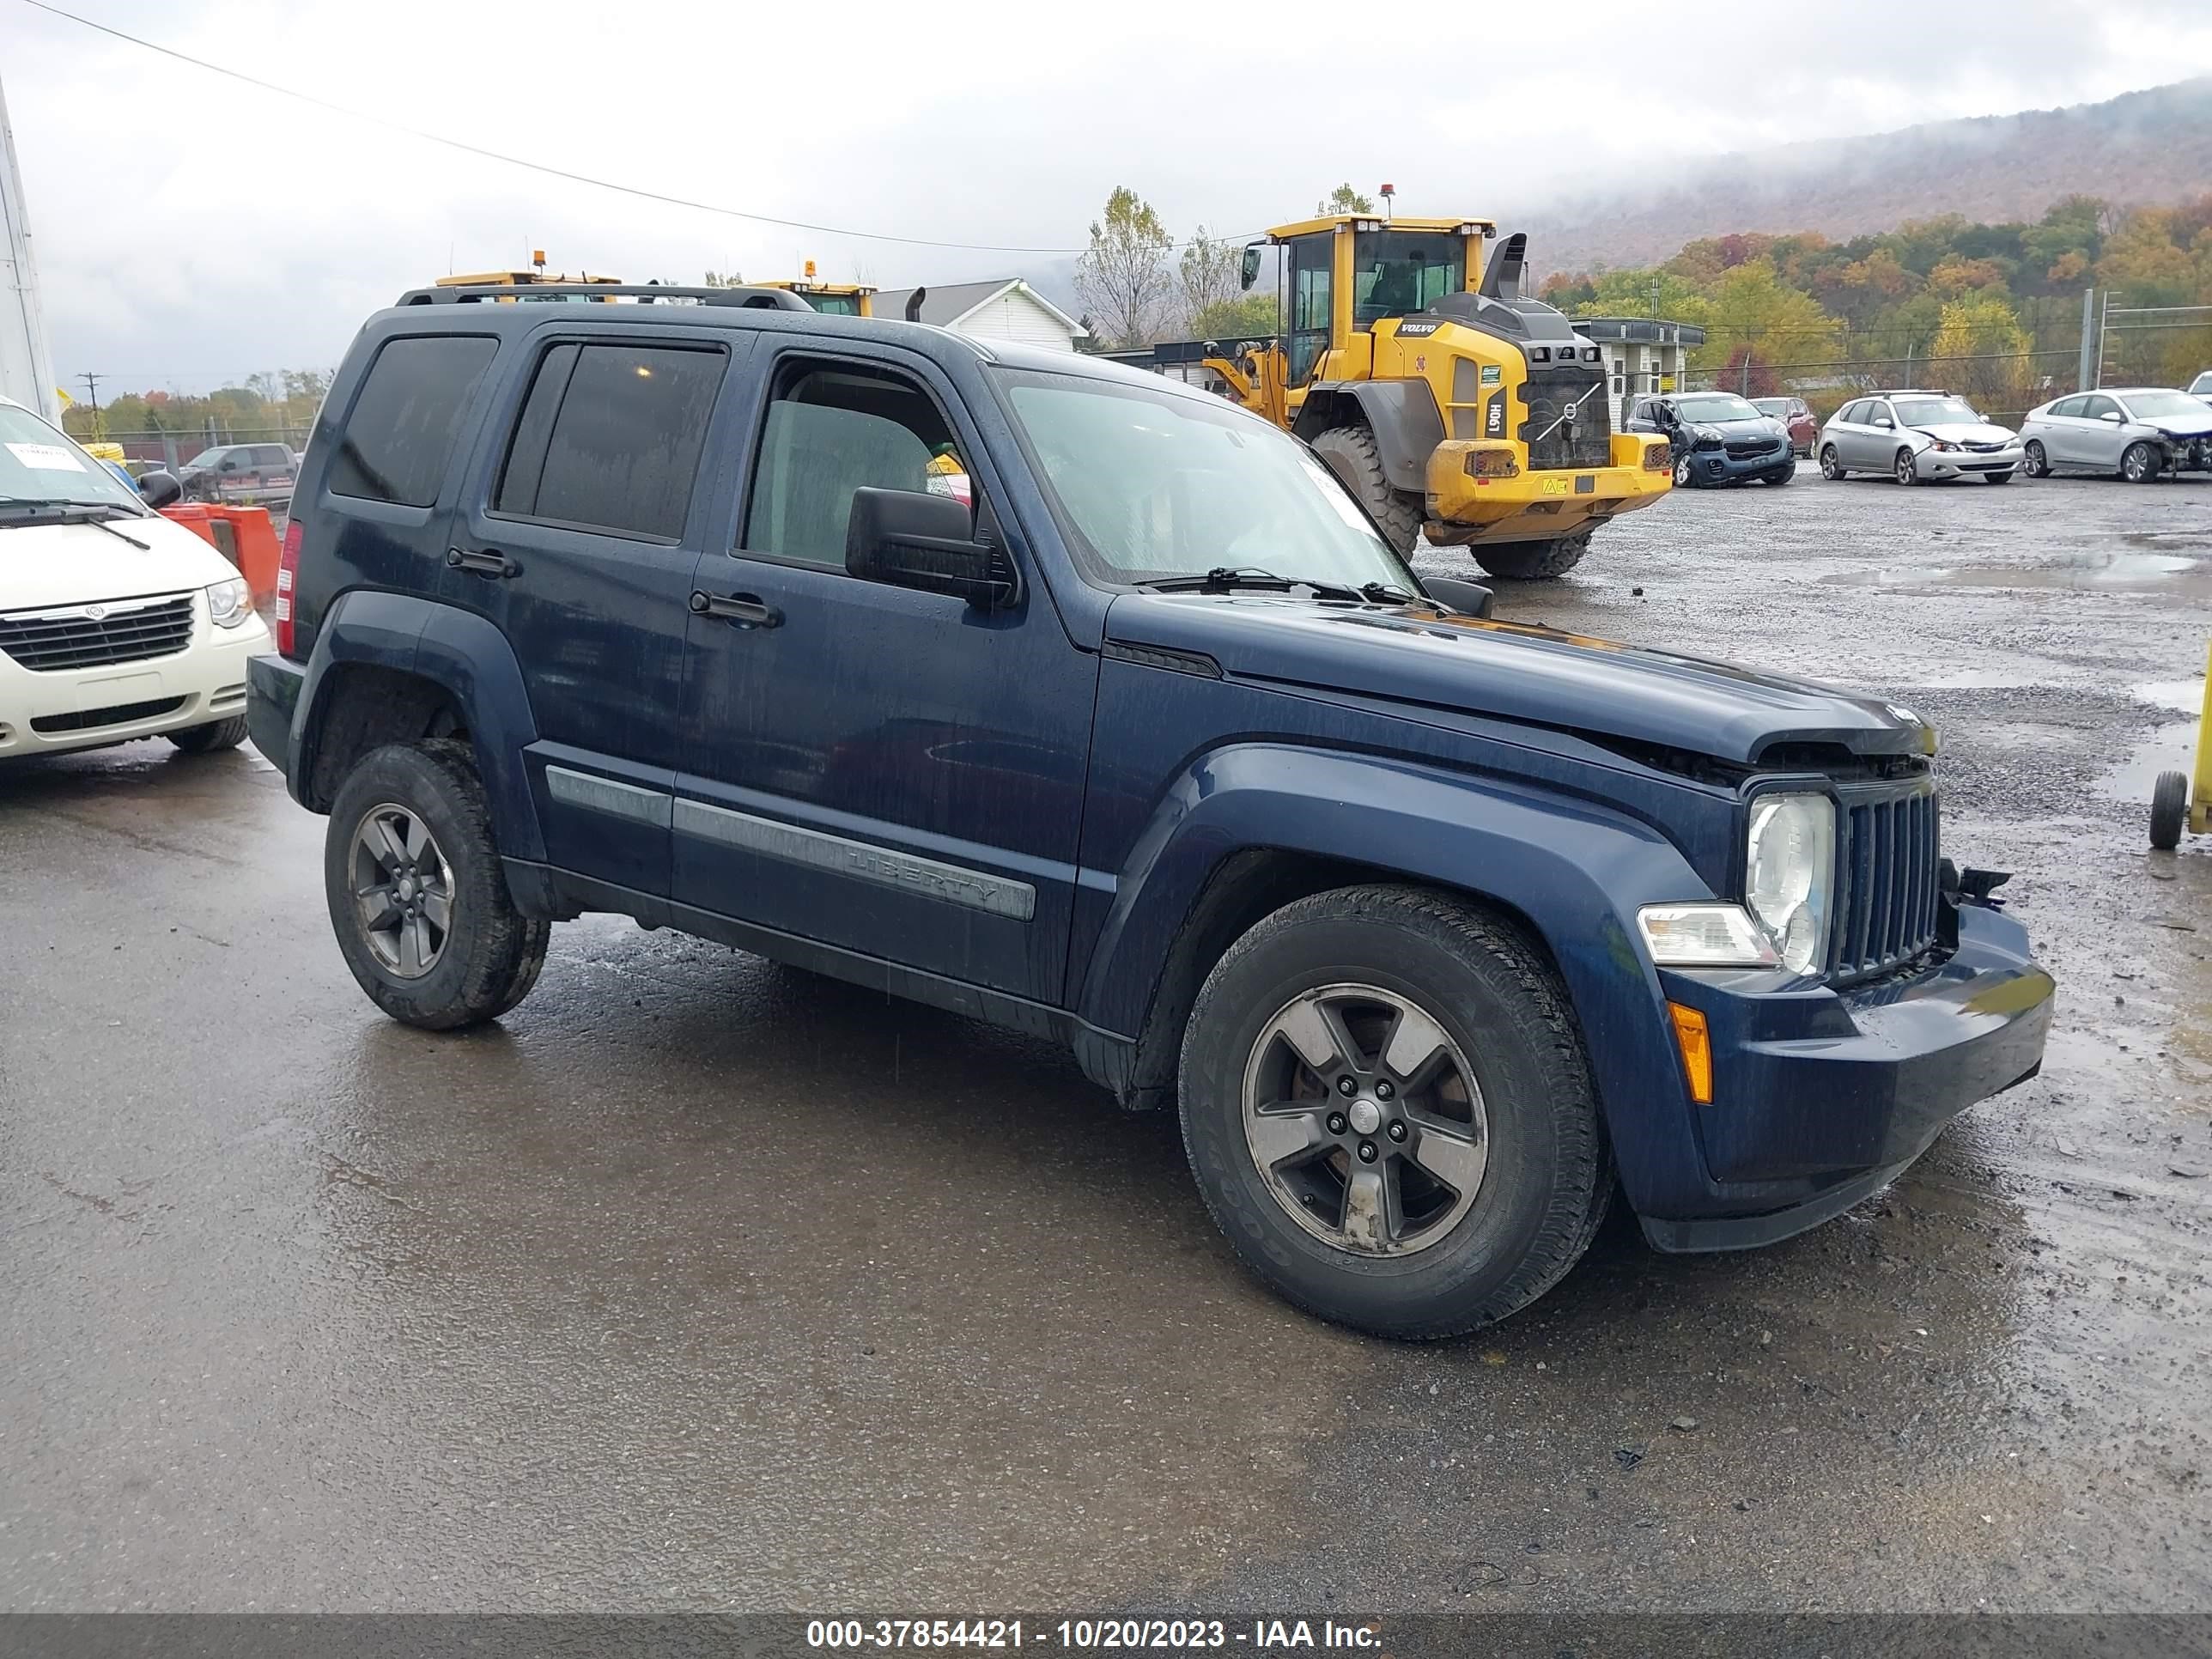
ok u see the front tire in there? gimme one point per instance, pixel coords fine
(1356, 461)
(2034, 462)
(1684, 477)
(1903, 469)
(212, 737)
(416, 895)
(1832, 465)
(1782, 475)
(1462, 1173)
(1998, 477)
(1529, 562)
(2140, 463)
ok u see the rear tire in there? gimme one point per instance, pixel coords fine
(2140, 463)
(1356, 461)
(1832, 465)
(1529, 562)
(215, 735)
(2034, 462)
(484, 956)
(1531, 1176)
(2169, 810)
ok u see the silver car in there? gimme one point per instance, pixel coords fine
(2136, 431)
(1916, 436)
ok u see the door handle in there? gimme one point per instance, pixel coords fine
(748, 609)
(486, 561)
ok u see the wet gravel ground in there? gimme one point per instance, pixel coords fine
(701, 1284)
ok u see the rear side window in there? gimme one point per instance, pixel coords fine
(609, 438)
(401, 432)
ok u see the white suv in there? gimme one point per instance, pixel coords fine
(114, 623)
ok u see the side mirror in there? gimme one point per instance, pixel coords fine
(1468, 599)
(159, 489)
(1885, 423)
(2111, 415)
(909, 539)
(1249, 273)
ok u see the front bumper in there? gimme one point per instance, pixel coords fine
(1713, 467)
(1534, 506)
(1822, 1096)
(50, 711)
(1935, 464)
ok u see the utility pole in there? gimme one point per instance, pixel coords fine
(2104, 315)
(2088, 314)
(92, 392)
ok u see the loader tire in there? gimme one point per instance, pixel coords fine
(1352, 454)
(1530, 561)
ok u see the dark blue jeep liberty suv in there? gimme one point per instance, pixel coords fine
(1054, 694)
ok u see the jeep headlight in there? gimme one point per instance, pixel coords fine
(1789, 875)
(230, 602)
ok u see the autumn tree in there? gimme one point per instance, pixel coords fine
(1209, 275)
(1980, 348)
(1247, 317)
(1123, 276)
(1751, 308)
(1343, 199)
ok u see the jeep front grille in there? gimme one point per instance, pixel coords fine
(1887, 854)
(1555, 444)
(95, 636)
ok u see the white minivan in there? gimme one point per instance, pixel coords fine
(114, 623)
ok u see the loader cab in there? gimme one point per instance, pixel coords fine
(831, 299)
(1341, 274)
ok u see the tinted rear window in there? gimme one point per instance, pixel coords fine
(397, 439)
(610, 437)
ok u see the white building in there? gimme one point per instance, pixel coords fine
(27, 369)
(1006, 308)
(1642, 354)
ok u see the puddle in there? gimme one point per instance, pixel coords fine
(2162, 572)
(2183, 696)
(2165, 750)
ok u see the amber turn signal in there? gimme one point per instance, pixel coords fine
(1697, 1046)
(1493, 463)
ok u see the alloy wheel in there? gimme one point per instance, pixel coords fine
(1831, 464)
(1682, 472)
(1906, 471)
(402, 890)
(2037, 464)
(1365, 1121)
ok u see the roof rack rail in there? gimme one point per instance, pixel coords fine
(759, 299)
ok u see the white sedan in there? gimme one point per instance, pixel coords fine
(2137, 432)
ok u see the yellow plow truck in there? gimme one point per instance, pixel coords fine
(1445, 398)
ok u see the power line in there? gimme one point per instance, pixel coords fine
(536, 167)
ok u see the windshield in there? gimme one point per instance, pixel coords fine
(1715, 406)
(1160, 483)
(1935, 411)
(834, 305)
(2163, 405)
(1778, 407)
(1397, 272)
(39, 464)
(206, 458)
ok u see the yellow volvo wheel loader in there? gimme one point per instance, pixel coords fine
(1442, 395)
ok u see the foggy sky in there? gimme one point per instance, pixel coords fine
(190, 230)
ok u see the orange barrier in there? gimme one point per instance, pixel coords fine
(244, 535)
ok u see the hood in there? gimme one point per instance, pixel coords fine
(2182, 426)
(42, 566)
(1964, 432)
(1763, 426)
(1511, 670)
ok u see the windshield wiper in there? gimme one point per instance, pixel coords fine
(1224, 578)
(1384, 594)
(95, 513)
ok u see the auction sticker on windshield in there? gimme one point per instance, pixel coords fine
(47, 458)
